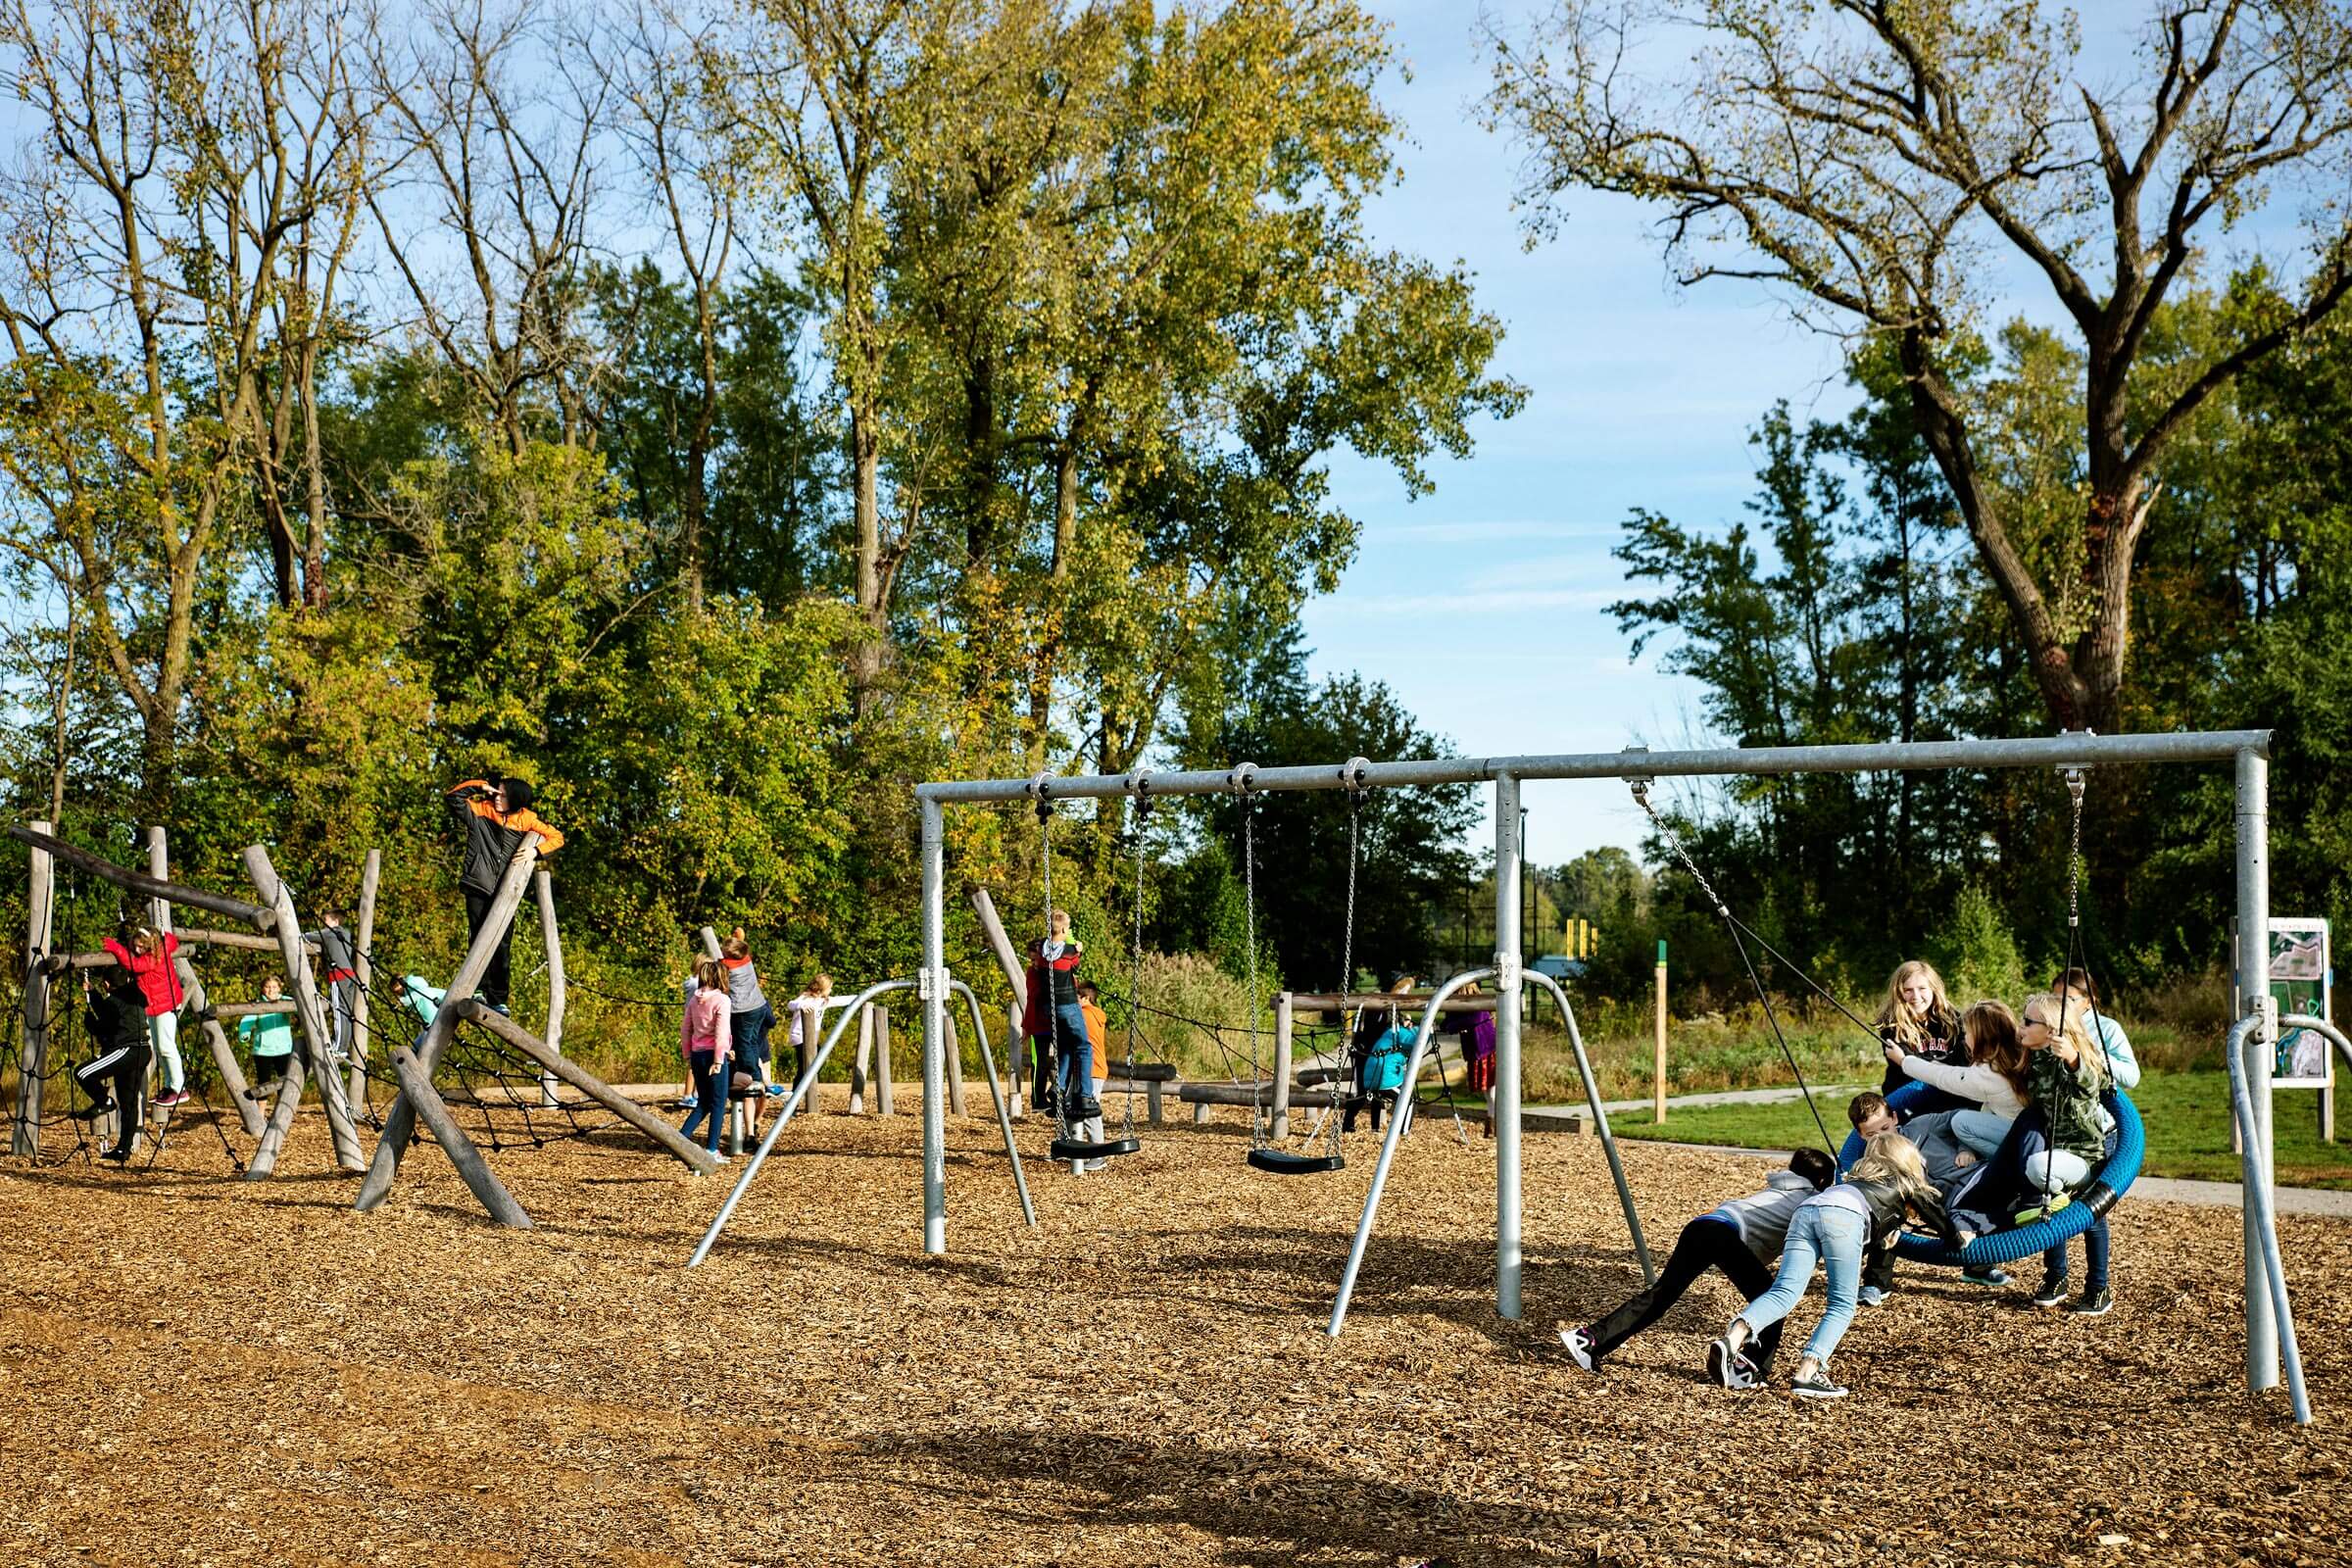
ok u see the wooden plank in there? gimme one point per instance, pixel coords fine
(862, 1064)
(282, 1118)
(304, 988)
(33, 1058)
(400, 1121)
(1326, 1002)
(253, 915)
(692, 1155)
(417, 1092)
(1285, 1020)
(1243, 1094)
(954, 1064)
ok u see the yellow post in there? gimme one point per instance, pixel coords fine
(1658, 1078)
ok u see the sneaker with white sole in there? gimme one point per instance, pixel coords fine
(1579, 1348)
(1872, 1296)
(1744, 1373)
(1719, 1356)
(1986, 1274)
(2091, 1303)
(1817, 1385)
(2053, 1292)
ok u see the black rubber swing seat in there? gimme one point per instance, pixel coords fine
(1281, 1162)
(1079, 1148)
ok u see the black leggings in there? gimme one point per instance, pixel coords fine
(118, 1074)
(495, 977)
(1371, 1100)
(1706, 1242)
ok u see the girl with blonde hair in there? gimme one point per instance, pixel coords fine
(1862, 1213)
(1992, 1082)
(1918, 1015)
(2064, 1130)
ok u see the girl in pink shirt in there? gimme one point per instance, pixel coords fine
(705, 1041)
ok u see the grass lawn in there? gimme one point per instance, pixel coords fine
(2188, 1116)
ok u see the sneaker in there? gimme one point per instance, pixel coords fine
(2092, 1304)
(856, 1104)
(1579, 1348)
(169, 1097)
(1720, 1356)
(92, 1113)
(1986, 1274)
(1817, 1385)
(1872, 1296)
(2038, 1211)
(2053, 1292)
(121, 1156)
(1745, 1374)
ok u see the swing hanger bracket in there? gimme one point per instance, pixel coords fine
(1139, 785)
(1243, 780)
(1040, 790)
(1351, 777)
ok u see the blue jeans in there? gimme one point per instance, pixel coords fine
(1981, 1131)
(709, 1095)
(2095, 1251)
(1070, 1051)
(1834, 1236)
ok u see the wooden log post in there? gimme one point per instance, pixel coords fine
(543, 889)
(1017, 1047)
(693, 1156)
(1657, 1071)
(882, 1100)
(263, 1163)
(400, 1121)
(954, 1051)
(106, 870)
(225, 1054)
(1285, 1023)
(32, 1056)
(861, 1065)
(363, 965)
(416, 1091)
(318, 1034)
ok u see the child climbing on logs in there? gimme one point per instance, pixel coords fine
(494, 817)
(1834, 1229)
(749, 1016)
(149, 956)
(1740, 1238)
(271, 1036)
(1918, 1017)
(2122, 1070)
(704, 1041)
(339, 959)
(116, 1003)
(1055, 1026)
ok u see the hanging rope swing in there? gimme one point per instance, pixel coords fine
(1070, 1141)
(1263, 1154)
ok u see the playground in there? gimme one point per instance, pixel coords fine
(1143, 1376)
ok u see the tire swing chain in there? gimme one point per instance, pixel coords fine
(1673, 842)
(1135, 954)
(1355, 808)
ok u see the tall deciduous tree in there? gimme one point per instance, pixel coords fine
(1876, 161)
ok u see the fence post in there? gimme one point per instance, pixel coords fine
(1657, 1066)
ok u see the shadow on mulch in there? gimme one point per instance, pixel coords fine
(1271, 1509)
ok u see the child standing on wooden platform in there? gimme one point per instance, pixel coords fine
(749, 1016)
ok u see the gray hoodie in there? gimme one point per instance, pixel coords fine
(1762, 1218)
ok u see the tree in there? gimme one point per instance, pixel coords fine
(1864, 157)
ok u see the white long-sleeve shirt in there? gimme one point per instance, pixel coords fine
(1983, 1085)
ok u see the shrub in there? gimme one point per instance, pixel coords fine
(1978, 954)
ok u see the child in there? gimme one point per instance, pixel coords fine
(1860, 1213)
(1918, 1017)
(749, 1016)
(805, 1031)
(1055, 1026)
(493, 818)
(1478, 1053)
(2065, 1132)
(116, 1000)
(1097, 1051)
(338, 957)
(704, 1041)
(150, 958)
(1992, 1082)
(1941, 1155)
(2122, 1069)
(1379, 1049)
(1739, 1238)
(270, 1035)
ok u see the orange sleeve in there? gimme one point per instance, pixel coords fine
(529, 821)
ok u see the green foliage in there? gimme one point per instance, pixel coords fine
(1977, 955)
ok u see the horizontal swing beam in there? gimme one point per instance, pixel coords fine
(2052, 751)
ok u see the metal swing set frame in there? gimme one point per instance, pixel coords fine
(2268, 1315)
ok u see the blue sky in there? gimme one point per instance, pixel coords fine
(1485, 606)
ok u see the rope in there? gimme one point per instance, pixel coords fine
(1640, 788)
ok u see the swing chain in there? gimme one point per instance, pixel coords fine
(1135, 950)
(1673, 842)
(1243, 778)
(1348, 1027)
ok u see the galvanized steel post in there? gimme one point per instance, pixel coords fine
(933, 989)
(1509, 1005)
(2254, 987)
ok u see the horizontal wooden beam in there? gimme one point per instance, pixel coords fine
(1325, 1002)
(139, 882)
(689, 1154)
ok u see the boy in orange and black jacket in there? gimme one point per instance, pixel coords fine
(494, 817)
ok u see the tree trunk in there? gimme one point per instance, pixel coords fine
(865, 454)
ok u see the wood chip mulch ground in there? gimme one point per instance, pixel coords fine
(203, 1370)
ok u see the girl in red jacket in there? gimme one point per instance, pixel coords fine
(152, 959)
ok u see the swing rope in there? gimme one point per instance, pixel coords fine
(1673, 842)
